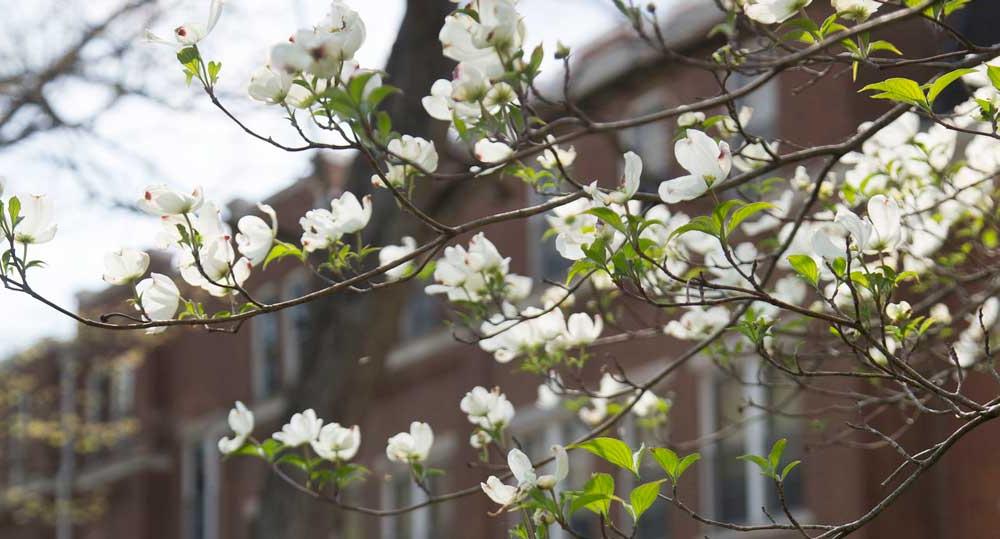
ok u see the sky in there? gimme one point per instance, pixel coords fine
(180, 140)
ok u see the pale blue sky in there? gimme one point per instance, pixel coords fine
(189, 143)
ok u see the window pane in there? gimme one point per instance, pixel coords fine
(730, 487)
(267, 352)
(423, 314)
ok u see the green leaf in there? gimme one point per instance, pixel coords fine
(187, 55)
(788, 468)
(686, 463)
(247, 450)
(702, 223)
(213, 71)
(778, 449)
(612, 450)
(379, 94)
(296, 460)
(14, 209)
(745, 213)
(282, 250)
(356, 86)
(602, 486)
(806, 267)
(944, 81)
(882, 45)
(590, 501)
(761, 462)
(608, 216)
(667, 460)
(643, 496)
(993, 72)
(900, 90)
(672, 464)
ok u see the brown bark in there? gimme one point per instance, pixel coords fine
(348, 327)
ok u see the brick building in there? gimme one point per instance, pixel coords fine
(165, 479)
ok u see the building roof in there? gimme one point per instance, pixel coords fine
(683, 23)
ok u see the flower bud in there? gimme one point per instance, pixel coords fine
(543, 518)
(898, 311)
(547, 482)
(562, 50)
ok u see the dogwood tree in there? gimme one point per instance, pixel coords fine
(863, 269)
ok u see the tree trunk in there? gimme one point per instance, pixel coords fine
(348, 326)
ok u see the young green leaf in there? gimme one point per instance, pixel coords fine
(944, 81)
(806, 267)
(672, 464)
(900, 90)
(643, 496)
(612, 450)
(745, 213)
(597, 494)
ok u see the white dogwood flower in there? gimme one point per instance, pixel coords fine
(391, 253)
(303, 428)
(773, 11)
(707, 162)
(323, 228)
(466, 275)
(697, 322)
(524, 473)
(554, 155)
(898, 311)
(486, 408)
(190, 33)
(412, 446)
(241, 422)
(489, 151)
(124, 266)
(581, 330)
(415, 150)
(336, 443)
(255, 236)
(161, 200)
(858, 10)
(216, 270)
(37, 223)
(269, 85)
(628, 187)
(159, 298)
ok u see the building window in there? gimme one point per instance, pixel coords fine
(764, 102)
(425, 523)
(123, 391)
(422, 313)
(266, 352)
(652, 141)
(17, 456)
(99, 395)
(297, 329)
(200, 490)
(736, 491)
